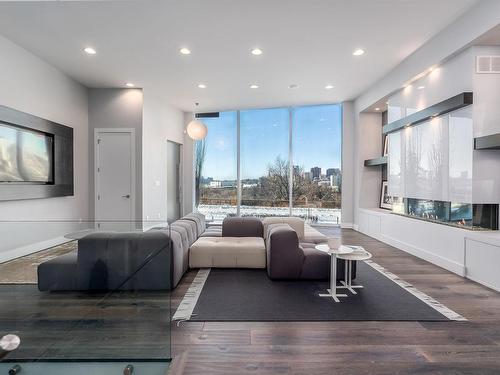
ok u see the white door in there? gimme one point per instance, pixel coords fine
(115, 178)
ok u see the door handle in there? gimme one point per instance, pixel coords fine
(126, 196)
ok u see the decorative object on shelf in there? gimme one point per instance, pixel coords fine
(385, 198)
(456, 102)
(488, 142)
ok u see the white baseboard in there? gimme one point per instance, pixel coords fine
(438, 260)
(355, 227)
(32, 248)
(346, 225)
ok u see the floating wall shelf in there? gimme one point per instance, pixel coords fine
(382, 160)
(488, 142)
(452, 104)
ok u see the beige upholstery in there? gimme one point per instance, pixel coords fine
(313, 236)
(233, 252)
(296, 223)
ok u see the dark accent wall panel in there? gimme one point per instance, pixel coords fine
(456, 102)
(63, 158)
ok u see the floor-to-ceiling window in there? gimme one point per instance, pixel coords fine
(264, 145)
(216, 167)
(316, 156)
(309, 136)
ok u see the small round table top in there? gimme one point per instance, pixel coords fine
(341, 250)
(357, 253)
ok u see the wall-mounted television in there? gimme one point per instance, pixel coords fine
(26, 155)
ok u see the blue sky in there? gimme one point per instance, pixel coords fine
(265, 135)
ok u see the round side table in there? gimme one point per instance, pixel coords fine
(357, 253)
(342, 250)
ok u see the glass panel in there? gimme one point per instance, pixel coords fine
(264, 145)
(460, 157)
(317, 153)
(216, 158)
(396, 181)
(86, 298)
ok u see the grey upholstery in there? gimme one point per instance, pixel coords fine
(289, 259)
(58, 273)
(284, 256)
(110, 260)
(190, 227)
(199, 219)
(242, 227)
(213, 231)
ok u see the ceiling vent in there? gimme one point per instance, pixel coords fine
(488, 64)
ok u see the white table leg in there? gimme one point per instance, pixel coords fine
(332, 292)
(348, 278)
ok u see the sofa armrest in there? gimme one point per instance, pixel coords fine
(284, 255)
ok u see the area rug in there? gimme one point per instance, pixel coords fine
(24, 270)
(249, 295)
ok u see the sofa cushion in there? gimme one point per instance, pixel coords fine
(234, 252)
(199, 219)
(58, 273)
(190, 227)
(296, 223)
(242, 227)
(213, 231)
(183, 233)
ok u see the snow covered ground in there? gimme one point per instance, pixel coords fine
(217, 213)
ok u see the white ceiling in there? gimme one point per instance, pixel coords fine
(305, 42)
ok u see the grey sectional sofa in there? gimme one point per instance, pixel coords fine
(157, 259)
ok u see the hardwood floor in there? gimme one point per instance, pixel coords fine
(471, 347)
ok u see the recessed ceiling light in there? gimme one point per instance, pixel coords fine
(329, 87)
(202, 86)
(358, 52)
(254, 86)
(421, 87)
(90, 50)
(377, 109)
(129, 84)
(256, 51)
(185, 51)
(293, 86)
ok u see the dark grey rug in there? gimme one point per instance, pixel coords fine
(249, 295)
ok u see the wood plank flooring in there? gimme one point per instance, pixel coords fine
(356, 348)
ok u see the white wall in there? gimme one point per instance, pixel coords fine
(486, 115)
(450, 41)
(368, 145)
(348, 121)
(161, 123)
(29, 84)
(116, 108)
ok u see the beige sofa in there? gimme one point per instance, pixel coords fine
(242, 244)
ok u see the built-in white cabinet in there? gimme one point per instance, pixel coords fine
(481, 262)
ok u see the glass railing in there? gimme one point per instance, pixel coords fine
(85, 297)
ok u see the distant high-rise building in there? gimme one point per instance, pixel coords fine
(332, 172)
(307, 176)
(315, 172)
(296, 170)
